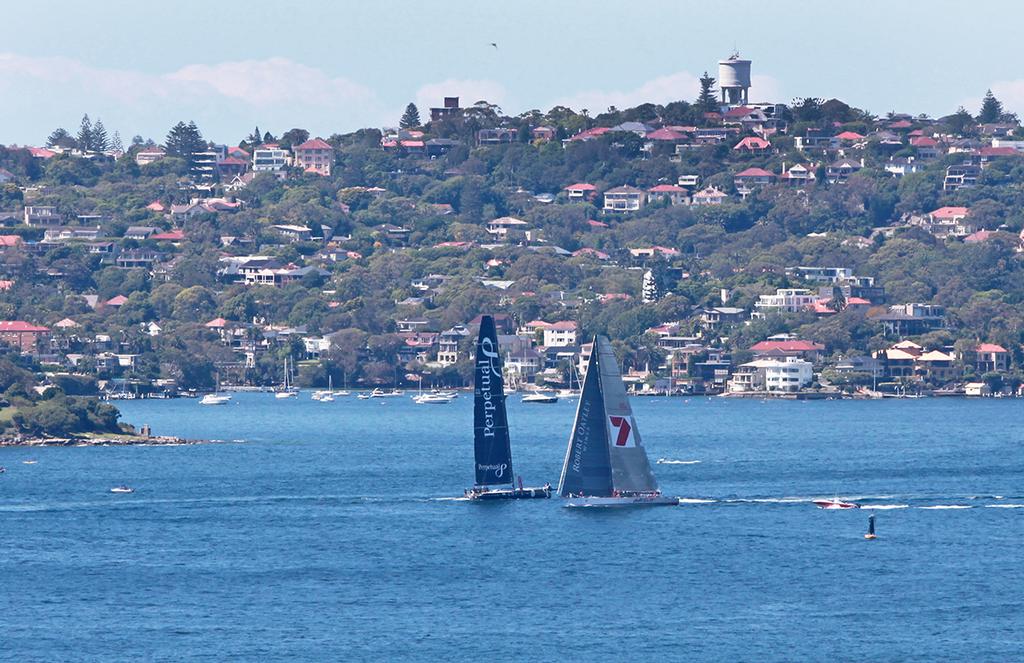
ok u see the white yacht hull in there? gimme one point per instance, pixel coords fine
(638, 500)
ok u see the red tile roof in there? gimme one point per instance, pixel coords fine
(739, 111)
(849, 135)
(665, 134)
(787, 346)
(949, 212)
(21, 326)
(998, 152)
(755, 172)
(216, 323)
(581, 186)
(313, 144)
(116, 301)
(10, 240)
(667, 188)
(175, 235)
(752, 143)
(990, 347)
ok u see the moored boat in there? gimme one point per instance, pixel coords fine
(122, 489)
(215, 399)
(540, 397)
(605, 462)
(492, 447)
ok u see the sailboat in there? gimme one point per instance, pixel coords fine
(216, 398)
(492, 449)
(325, 395)
(605, 462)
(286, 391)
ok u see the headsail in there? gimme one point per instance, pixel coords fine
(587, 468)
(631, 470)
(491, 445)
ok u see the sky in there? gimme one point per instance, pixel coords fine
(333, 67)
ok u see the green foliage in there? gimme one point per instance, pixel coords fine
(184, 141)
(410, 118)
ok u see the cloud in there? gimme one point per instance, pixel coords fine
(661, 90)
(224, 98)
(1010, 93)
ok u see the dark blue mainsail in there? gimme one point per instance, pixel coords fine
(491, 445)
(587, 469)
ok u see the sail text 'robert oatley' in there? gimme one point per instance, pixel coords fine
(490, 352)
(582, 436)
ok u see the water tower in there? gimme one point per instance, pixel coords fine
(734, 79)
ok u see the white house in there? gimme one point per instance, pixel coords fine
(560, 334)
(789, 300)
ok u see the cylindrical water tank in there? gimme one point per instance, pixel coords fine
(733, 73)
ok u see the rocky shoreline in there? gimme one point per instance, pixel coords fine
(98, 441)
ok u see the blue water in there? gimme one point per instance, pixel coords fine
(321, 538)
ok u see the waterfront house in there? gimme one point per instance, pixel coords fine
(935, 366)
(802, 349)
(448, 343)
(990, 357)
(912, 319)
(560, 334)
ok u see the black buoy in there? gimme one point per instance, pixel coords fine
(871, 528)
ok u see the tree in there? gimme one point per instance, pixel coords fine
(100, 140)
(116, 144)
(706, 101)
(410, 118)
(60, 138)
(959, 121)
(255, 138)
(293, 137)
(85, 134)
(991, 109)
(185, 141)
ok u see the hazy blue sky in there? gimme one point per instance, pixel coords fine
(337, 66)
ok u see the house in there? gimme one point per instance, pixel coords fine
(70, 233)
(438, 147)
(816, 143)
(139, 232)
(849, 137)
(751, 178)
(232, 167)
(977, 389)
(560, 334)
(176, 235)
(961, 176)
(542, 134)
(450, 107)
(314, 156)
(496, 136)
(925, 146)
(623, 199)
(9, 242)
(294, 233)
(148, 155)
(787, 300)
(752, 145)
(138, 258)
(786, 375)
(719, 316)
(798, 174)
(43, 216)
(808, 350)
(990, 357)
(581, 191)
(949, 221)
(589, 134)
(675, 195)
(913, 319)
(709, 196)
(501, 227)
(25, 336)
(448, 343)
(502, 322)
(839, 171)
(269, 158)
(935, 366)
(587, 252)
(654, 252)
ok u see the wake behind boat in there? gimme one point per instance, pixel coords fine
(605, 463)
(492, 448)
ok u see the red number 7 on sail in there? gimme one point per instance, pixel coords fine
(622, 424)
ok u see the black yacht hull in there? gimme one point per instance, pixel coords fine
(516, 494)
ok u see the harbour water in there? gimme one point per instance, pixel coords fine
(330, 534)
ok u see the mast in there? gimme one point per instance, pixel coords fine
(492, 448)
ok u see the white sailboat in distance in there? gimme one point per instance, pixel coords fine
(605, 463)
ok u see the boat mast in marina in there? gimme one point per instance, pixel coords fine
(605, 462)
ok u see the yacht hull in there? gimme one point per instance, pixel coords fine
(509, 494)
(619, 502)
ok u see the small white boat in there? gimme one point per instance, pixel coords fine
(122, 489)
(835, 503)
(432, 399)
(540, 397)
(285, 394)
(341, 393)
(326, 398)
(29, 462)
(215, 399)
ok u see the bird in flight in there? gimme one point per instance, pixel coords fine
(494, 45)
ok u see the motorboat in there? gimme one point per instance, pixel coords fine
(122, 489)
(285, 394)
(606, 464)
(432, 399)
(835, 503)
(215, 399)
(540, 397)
